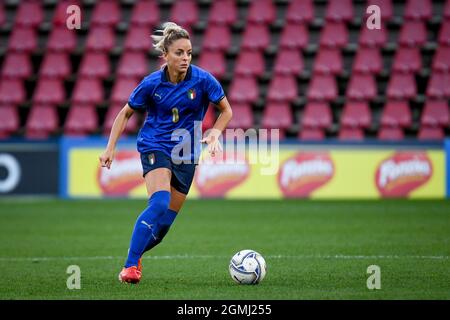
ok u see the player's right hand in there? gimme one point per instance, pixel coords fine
(106, 158)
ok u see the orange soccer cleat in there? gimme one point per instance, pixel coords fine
(130, 275)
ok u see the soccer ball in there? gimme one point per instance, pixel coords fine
(247, 267)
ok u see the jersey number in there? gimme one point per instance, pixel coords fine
(175, 115)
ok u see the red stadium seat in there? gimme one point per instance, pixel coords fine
(413, 33)
(368, 60)
(60, 14)
(386, 8)
(102, 38)
(106, 13)
(439, 85)
(390, 133)
(88, 91)
(441, 60)
(373, 37)
(242, 116)
(261, 11)
(217, 37)
(214, 62)
(138, 39)
(145, 13)
(351, 134)
(435, 113)
(407, 59)
(447, 9)
(300, 11)
(111, 114)
(184, 13)
(277, 116)
(17, 65)
(282, 88)
(23, 40)
(356, 114)
(401, 86)
(361, 87)
(316, 115)
(328, 61)
(444, 33)
(294, 36)
(133, 64)
(56, 65)
(396, 114)
(29, 14)
(122, 89)
(334, 34)
(431, 133)
(210, 118)
(418, 10)
(42, 121)
(322, 87)
(12, 91)
(222, 12)
(256, 37)
(2, 15)
(10, 120)
(81, 120)
(339, 10)
(95, 64)
(244, 89)
(49, 91)
(250, 63)
(289, 62)
(62, 39)
(312, 134)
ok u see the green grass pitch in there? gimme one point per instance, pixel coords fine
(313, 249)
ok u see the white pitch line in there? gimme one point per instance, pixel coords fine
(181, 257)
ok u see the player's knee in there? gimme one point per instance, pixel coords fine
(159, 202)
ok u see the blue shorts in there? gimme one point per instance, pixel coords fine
(182, 174)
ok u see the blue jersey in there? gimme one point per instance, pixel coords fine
(172, 106)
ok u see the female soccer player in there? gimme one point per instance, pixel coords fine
(176, 98)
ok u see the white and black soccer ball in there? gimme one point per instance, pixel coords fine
(247, 267)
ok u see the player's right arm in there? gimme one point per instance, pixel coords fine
(106, 158)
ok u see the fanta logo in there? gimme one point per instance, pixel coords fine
(302, 174)
(125, 174)
(398, 175)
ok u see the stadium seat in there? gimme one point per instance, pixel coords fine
(242, 116)
(214, 62)
(49, 91)
(95, 64)
(441, 60)
(222, 12)
(334, 34)
(42, 121)
(447, 9)
(339, 10)
(184, 13)
(244, 89)
(361, 87)
(209, 118)
(12, 91)
(102, 38)
(418, 10)
(435, 113)
(23, 40)
(81, 120)
(277, 116)
(250, 63)
(368, 60)
(106, 13)
(328, 61)
(282, 88)
(439, 85)
(133, 64)
(256, 37)
(396, 114)
(261, 11)
(17, 65)
(413, 33)
(29, 14)
(2, 15)
(294, 36)
(431, 133)
(373, 37)
(322, 87)
(444, 33)
(300, 11)
(386, 8)
(62, 39)
(390, 133)
(56, 65)
(316, 115)
(217, 37)
(289, 62)
(138, 39)
(401, 86)
(356, 114)
(60, 13)
(145, 13)
(407, 59)
(10, 120)
(122, 89)
(351, 134)
(311, 134)
(88, 91)
(111, 114)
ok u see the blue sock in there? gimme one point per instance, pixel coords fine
(145, 225)
(162, 228)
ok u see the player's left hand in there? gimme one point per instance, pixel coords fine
(212, 139)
